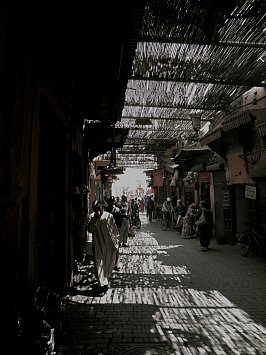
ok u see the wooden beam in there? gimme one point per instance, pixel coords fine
(163, 118)
(214, 44)
(203, 80)
(185, 107)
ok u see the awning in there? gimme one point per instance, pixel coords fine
(169, 169)
(188, 154)
(101, 168)
(99, 138)
(215, 167)
(237, 120)
(199, 167)
(148, 172)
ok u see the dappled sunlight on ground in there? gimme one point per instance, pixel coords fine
(148, 304)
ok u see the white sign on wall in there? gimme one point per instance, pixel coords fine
(250, 192)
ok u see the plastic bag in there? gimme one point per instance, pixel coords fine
(201, 221)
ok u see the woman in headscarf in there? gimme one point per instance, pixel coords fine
(205, 230)
(188, 230)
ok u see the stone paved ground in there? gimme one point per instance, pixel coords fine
(169, 298)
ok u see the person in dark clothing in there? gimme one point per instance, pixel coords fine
(150, 208)
(112, 208)
(123, 230)
(174, 200)
(181, 212)
(205, 230)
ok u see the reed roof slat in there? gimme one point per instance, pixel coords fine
(192, 57)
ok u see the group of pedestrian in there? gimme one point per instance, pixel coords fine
(109, 225)
(188, 220)
(192, 227)
(175, 210)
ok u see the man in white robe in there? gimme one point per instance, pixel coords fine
(104, 243)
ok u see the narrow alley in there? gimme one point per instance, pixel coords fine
(89, 91)
(169, 298)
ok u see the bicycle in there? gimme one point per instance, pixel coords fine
(159, 213)
(252, 241)
(168, 221)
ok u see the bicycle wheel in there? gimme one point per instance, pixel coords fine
(173, 225)
(244, 242)
(137, 222)
(159, 215)
(164, 224)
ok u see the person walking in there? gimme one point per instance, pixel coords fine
(104, 244)
(205, 230)
(112, 208)
(150, 208)
(181, 212)
(115, 211)
(118, 202)
(134, 206)
(141, 205)
(125, 213)
(189, 227)
(145, 199)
